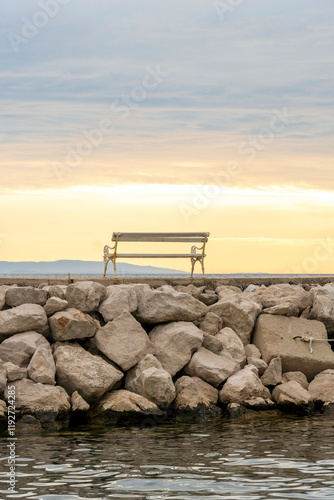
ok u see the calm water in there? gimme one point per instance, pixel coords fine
(263, 459)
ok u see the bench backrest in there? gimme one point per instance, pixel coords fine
(162, 237)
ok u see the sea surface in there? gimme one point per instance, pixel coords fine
(263, 458)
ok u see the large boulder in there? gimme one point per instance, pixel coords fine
(174, 344)
(18, 295)
(323, 306)
(72, 324)
(291, 298)
(291, 393)
(276, 336)
(123, 407)
(149, 379)
(119, 298)
(42, 367)
(54, 304)
(124, 341)
(321, 388)
(85, 295)
(243, 385)
(211, 323)
(78, 370)
(195, 398)
(156, 306)
(3, 289)
(19, 348)
(232, 345)
(210, 367)
(238, 314)
(22, 319)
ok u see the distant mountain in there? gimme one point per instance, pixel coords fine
(80, 267)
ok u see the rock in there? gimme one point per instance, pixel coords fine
(78, 403)
(28, 425)
(174, 344)
(226, 292)
(321, 388)
(124, 407)
(124, 341)
(18, 295)
(56, 291)
(150, 380)
(192, 392)
(55, 304)
(3, 377)
(22, 319)
(274, 336)
(251, 351)
(78, 370)
(14, 372)
(210, 367)
(259, 404)
(164, 306)
(259, 364)
(323, 306)
(243, 385)
(211, 323)
(297, 376)
(119, 298)
(291, 393)
(273, 374)
(47, 403)
(306, 313)
(85, 295)
(208, 299)
(211, 343)
(251, 288)
(238, 314)
(3, 289)
(327, 409)
(72, 324)
(284, 309)
(191, 289)
(232, 345)
(252, 409)
(42, 366)
(19, 348)
(291, 296)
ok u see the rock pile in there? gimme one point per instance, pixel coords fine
(130, 353)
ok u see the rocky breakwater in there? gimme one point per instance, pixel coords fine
(124, 354)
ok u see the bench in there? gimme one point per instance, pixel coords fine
(110, 253)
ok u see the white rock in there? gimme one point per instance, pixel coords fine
(85, 295)
(149, 379)
(78, 370)
(18, 295)
(322, 387)
(14, 372)
(124, 341)
(56, 291)
(174, 344)
(291, 393)
(19, 348)
(243, 385)
(72, 324)
(211, 323)
(42, 367)
(210, 367)
(119, 298)
(22, 319)
(232, 345)
(55, 304)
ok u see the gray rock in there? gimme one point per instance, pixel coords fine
(293, 296)
(85, 295)
(14, 372)
(210, 367)
(211, 343)
(321, 388)
(251, 288)
(18, 295)
(273, 374)
(3, 289)
(42, 366)
(164, 306)
(208, 299)
(243, 385)
(323, 306)
(193, 392)
(56, 291)
(259, 364)
(284, 309)
(226, 292)
(3, 377)
(211, 323)
(72, 324)
(174, 344)
(19, 348)
(149, 379)
(78, 403)
(297, 376)
(238, 314)
(119, 298)
(193, 290)
(291, 393)
(232, 345)
(274, 336)
(78, 370)
(124, 341)
(252, 351)
(22, 319)
(55, 304)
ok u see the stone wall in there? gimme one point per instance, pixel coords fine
(131, 353)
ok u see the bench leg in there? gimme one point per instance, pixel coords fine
(114, 264)
(105, 267)
(202, 262)
(192, 267)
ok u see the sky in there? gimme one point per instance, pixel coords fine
(196, 115)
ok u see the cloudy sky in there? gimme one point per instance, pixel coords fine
(136, 115)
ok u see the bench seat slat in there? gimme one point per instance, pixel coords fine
(156, 255)
(161, 239)
(157, 236)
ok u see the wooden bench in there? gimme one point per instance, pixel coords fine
(110, 253)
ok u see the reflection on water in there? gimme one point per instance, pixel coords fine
(266, 458)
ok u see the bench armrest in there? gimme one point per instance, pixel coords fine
(106, 249)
